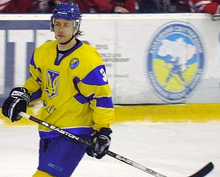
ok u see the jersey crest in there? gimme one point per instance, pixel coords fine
(74, 63)
(52, 79)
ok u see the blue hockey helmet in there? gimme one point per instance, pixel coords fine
(67, 11)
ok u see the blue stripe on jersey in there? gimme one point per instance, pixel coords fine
(96, 77)
(75, 131)
(76, 80)
(38, 80)
(33, 63)
(82, 99)
(105, 102)
(36, 95)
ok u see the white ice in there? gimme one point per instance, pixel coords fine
(174, 150)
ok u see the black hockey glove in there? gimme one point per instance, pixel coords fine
(17, 101)
(100, 143)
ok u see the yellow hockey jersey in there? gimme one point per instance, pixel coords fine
(73, 88)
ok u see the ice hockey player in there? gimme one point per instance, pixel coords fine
(69, 77)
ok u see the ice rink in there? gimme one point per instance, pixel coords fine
(172, 149)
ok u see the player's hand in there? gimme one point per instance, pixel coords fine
(17, 101)
(100, 143)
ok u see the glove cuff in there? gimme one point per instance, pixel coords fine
(20, 92)
(105, 131)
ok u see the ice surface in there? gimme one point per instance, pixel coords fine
(175, 150)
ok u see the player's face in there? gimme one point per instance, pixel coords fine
(63, 30)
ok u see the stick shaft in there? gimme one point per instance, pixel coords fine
(110, 153)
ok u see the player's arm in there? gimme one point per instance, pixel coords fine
(96, 89)
(21, 97)
(34, 89)
(33, 83)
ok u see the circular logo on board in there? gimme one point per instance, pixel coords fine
(175, 61)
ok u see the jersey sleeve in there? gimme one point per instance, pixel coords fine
(33, 83)
(94, 87)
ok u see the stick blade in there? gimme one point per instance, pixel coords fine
(204, 171)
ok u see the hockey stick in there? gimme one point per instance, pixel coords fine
(201, 173)
(110, 153)
(204, 171)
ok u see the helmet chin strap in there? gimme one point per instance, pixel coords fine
(74, 35)
(64, 43)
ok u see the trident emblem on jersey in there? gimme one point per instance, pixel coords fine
(52, 83)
